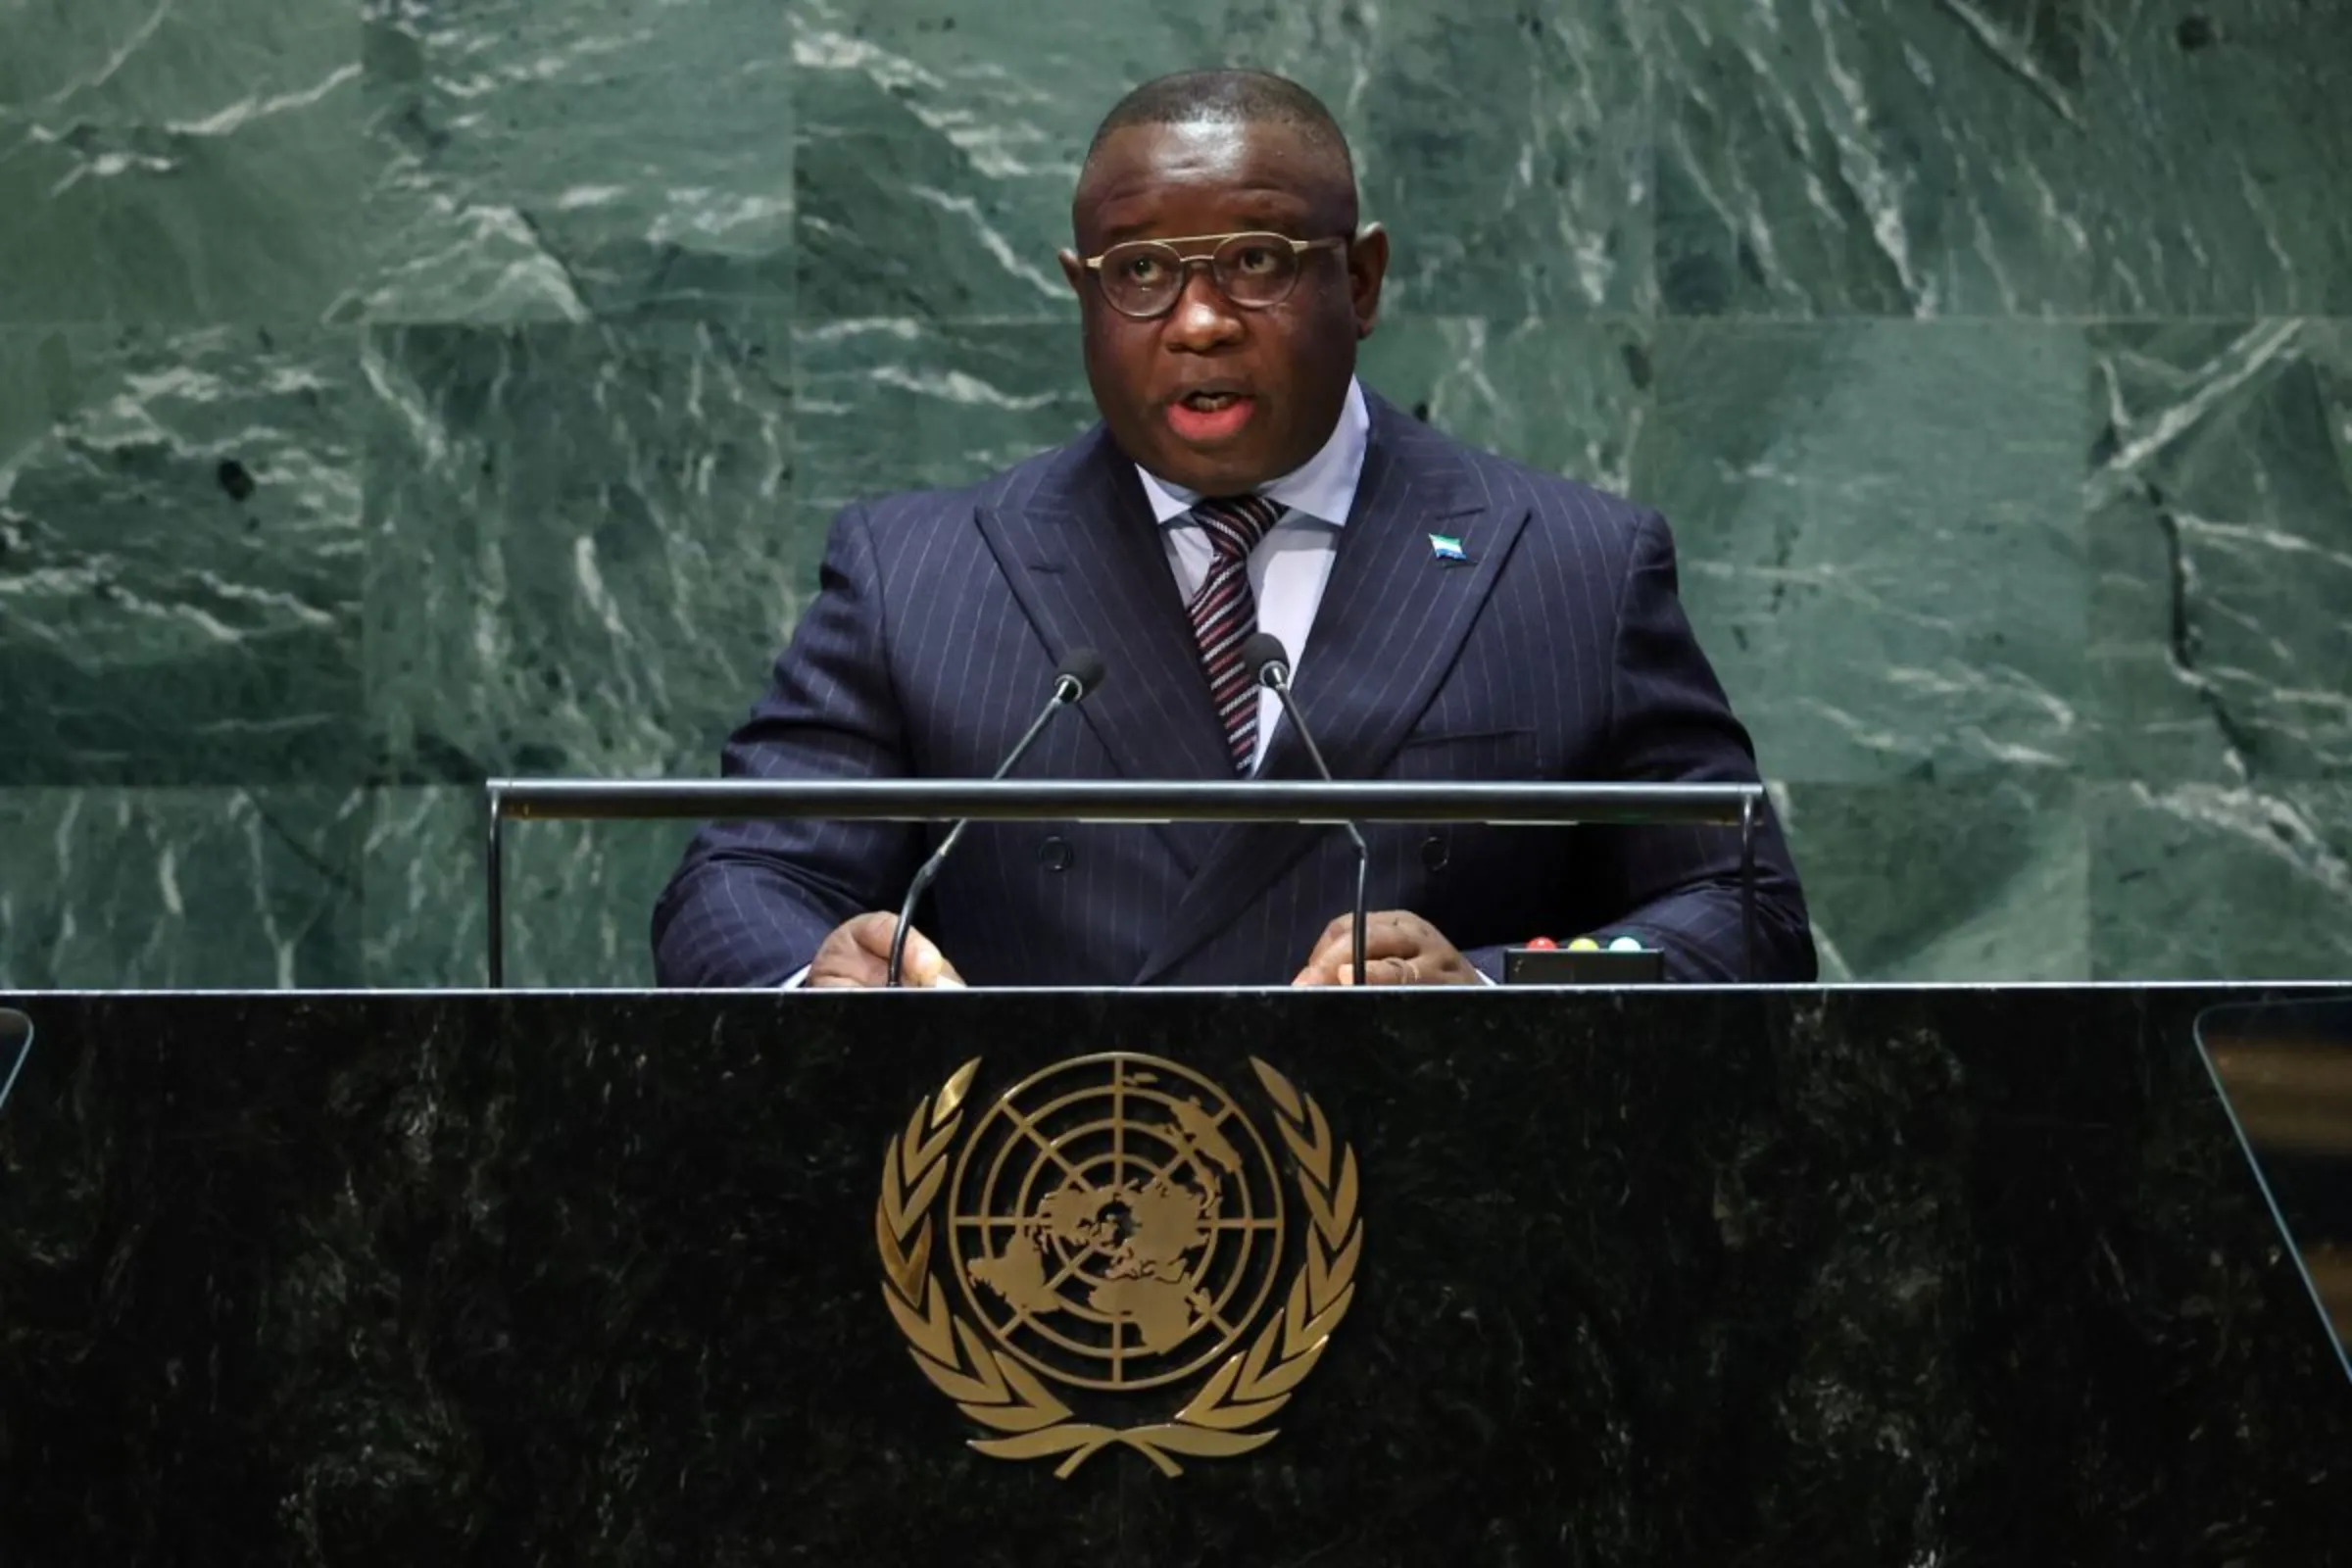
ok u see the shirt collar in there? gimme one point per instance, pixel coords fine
(1322, 488)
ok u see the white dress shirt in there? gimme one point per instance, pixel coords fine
(1293, 562)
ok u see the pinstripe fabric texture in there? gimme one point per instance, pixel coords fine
(1224, 614)
(1557, 650)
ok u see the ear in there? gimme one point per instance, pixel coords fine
(1367, 265)
(1072, 269)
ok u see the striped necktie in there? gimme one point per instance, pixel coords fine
(1224, 614)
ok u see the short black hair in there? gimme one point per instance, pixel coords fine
(1226, 97)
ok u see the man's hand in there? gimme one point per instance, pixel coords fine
(856, 955)
(1400, 949)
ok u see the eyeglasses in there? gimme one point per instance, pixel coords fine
(1142, 277)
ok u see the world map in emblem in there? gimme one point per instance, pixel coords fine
(1116, 1221)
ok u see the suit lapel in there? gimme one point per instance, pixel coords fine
(1391, 625)
(1087, 565)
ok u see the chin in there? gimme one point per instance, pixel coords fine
(1226, 471)
(1220, 474)
(1183, 470)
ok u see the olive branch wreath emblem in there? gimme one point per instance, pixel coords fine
(1227, 1417)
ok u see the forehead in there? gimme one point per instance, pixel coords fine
(1146, 178)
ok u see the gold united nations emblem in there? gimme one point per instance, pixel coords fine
(1116, 1231)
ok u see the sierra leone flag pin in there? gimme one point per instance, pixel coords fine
(1445, 547)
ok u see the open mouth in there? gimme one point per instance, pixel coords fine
(1207, 415)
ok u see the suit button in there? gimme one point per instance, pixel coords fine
(1432, 852)
(1056, 854)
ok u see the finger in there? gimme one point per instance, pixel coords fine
(920, 963)
(1333, 941)
(924, 966)
(858, 955)
(1432, 957)
(1393, 942)
(1392, 970)
(1325, 966)
(1388, 933)
(1332, 963)
(842, 963)
(1379, 944)
(871, 933)
(1321, 959)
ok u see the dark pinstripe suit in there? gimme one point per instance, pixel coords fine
(1560, 651)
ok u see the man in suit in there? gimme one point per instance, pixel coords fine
(1450, 615)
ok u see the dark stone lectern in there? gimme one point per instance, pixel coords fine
(1868, 1277)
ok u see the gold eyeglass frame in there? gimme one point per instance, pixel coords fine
(1185, 264)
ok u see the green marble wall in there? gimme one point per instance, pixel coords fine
(396, 393)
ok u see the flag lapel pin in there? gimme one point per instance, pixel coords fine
(1445, 547)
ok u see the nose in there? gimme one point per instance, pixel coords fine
(1203, 317)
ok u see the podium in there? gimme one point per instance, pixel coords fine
(1655, 1276)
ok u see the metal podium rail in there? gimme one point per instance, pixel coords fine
(1529, 805)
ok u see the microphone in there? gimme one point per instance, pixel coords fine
(1263, 652)
(1076, 677)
